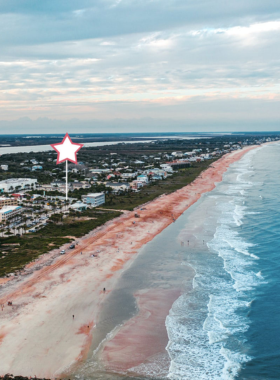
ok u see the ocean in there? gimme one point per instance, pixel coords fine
(224, 255)
(227, 326)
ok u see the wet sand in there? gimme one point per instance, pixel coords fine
(142, 337)
(40, 336)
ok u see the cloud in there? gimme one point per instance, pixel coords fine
(107, 59)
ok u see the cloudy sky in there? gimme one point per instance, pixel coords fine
(139, 65)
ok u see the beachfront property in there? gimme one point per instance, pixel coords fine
(94, 199)
(12, 184)
(8, 212)
(4, 201)
(179, 164)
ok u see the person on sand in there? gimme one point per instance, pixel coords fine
(104, 290)
(73, 316)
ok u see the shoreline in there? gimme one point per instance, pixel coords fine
(73, 285)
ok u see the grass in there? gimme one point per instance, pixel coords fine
(178, 180)
(32, 245)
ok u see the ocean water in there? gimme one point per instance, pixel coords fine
(224, 254)
(227, 326)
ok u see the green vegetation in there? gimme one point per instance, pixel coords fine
(16, 252)
(130, 200)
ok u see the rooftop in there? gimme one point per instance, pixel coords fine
(8, 209)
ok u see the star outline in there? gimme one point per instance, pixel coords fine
(58, 161)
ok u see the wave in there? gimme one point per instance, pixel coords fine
(207, 327)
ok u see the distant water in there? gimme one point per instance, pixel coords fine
(45, 148)
(224, 253)
(228, 326)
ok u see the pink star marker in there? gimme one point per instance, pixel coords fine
(67, 151)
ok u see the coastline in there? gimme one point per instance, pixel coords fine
(40, 324)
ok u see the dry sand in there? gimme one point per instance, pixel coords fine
(38, 334)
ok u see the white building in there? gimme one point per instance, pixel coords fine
(9, 185)
(8, 212)
(4, 167)
(143, 178)
(78, 206)
(128, 175)
(94, 199)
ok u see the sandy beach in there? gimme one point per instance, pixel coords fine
(56, 302)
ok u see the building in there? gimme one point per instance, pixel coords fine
(37, 167)
(8, 202)
(18, 196)
(136, 185)
(128, 175)
(4, 167)
(100, 171)
(179, 164)
(177, 154)
(78, 206)
(166, 168)
(94, 199)
(156, 172)
(8, 212)
(143, 178)
(10, 185)
(118, 186)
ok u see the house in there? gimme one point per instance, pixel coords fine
(156, 177)
(5, 167)
(177, 154)
(159, 172)
(94, 199)
(58, 184)
(78, 206)
(136, 185)
(128, 175)
(118, 186)
(143, 178)
(167, 168)
(37, 167)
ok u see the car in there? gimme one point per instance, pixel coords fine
(62, 252)
(72, 246)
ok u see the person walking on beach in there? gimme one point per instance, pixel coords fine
(73, 316)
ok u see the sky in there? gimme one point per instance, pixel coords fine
(132, 66)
